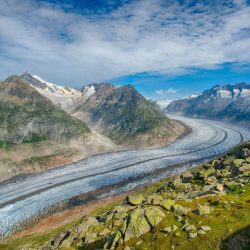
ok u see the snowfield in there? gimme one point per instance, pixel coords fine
(23, 198)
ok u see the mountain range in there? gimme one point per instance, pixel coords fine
(120, 113)
(44, 125)
(228, 103)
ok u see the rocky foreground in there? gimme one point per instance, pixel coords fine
(205, 208)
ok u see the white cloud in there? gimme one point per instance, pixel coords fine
(159, 92)
(158, 36)
(168, 91)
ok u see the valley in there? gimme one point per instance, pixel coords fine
(28, 196)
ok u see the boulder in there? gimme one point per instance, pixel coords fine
(90, 237)
(245, 152)
(192, 234)
(219, 187)
(203, 210)
(154, 215)
(190, 227)
(104, 232)
(245, 169)
(180, 209)
(85, 224)
(167, 204)
(186, 177)
(136, 199)
(117, 237)
(167, 230)
(56, 242)
(155, 199)
(201, 232)
(137, 224)
(205, 228)
(236, 164)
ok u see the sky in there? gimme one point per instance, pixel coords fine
(166, 49)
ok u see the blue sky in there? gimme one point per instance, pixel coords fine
(166, 49)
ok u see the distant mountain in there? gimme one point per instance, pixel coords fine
(28, 116)
(125, 116)
(228, 102)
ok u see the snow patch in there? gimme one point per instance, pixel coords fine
(224, 93)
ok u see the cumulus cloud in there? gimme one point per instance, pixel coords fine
(162, 37)
(168, 91)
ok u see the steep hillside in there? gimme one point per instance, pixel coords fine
(120, 113)
(228, 102)
(36, 135)
(125, 116)
(27, 116)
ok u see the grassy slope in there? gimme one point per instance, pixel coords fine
(229, 216)
(123, 114)
(20, 105)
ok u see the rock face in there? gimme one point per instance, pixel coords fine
(137, 225)
(27, 116)
(228, 102)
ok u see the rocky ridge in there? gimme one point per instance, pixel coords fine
(184, 207)
(227, 102)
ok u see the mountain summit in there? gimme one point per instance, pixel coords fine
(227, 102)
(125, 116)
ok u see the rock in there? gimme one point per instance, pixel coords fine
(104, 232)
(174, 228)
(167, 204)
(115, 240)
(155, 199)
(203, 210)
(137, 224)
(211, 180)
(180, 209)
(135, 199)
(154, 215)
(120, 215)
(236, 163)
(223, 173)
(178, 218)
(90, 237)
(184, 222)
(248, 159)
(177, 234)
(190, 227)
(245, 169)
(219, 187)
(205, 228)
(127, 248)
(139, 242)
(175, 182)
(216, 164)
(186, 177)
(245, 152)
(167, 230)
(192, 235)
(56, 242)
(201, 232)
(85, 224)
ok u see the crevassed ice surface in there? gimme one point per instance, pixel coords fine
(23, 198)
